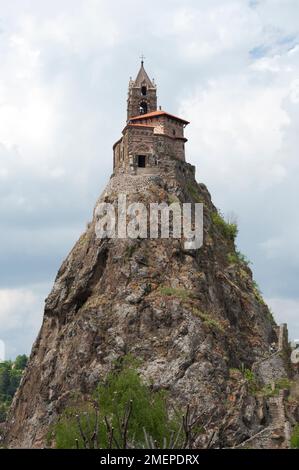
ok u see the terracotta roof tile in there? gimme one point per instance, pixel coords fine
(157, 113)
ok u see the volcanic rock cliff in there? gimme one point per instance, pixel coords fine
(194, 318)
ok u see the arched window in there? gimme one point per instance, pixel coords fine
(143, 107)
(143, 90)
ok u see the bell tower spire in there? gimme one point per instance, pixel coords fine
(142, 95)
(142, 59)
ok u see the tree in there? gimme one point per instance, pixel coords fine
(4, 379)
(10, 377)
(124, 413)
(21, 362)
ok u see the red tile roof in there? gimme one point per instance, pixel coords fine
(156, 114)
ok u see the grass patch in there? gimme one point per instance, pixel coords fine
(295, 437)
(193, 191)
(227, 229)
(257, 293)
(208, 320)
(182, 294)
(282, 384)
(247, 375)
(238, 258)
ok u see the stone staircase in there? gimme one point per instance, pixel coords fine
(277, 434)
(268, 371)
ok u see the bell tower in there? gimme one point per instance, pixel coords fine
(153, 140)
(142, 96)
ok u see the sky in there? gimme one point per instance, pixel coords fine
(229, 67)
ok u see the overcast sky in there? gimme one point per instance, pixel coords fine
(231, 67)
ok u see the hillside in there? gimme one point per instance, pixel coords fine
(195, 320)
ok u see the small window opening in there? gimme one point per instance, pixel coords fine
(141, 161)
(173, 131)
(143, 108)
(143, 90)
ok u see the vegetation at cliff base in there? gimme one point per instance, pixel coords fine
(124, 413)
(10, 376)
(295, 438)
(272, 390)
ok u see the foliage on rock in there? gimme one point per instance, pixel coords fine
(10, 376)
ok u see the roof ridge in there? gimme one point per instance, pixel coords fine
(157, 113)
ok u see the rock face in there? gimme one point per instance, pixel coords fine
(194, 318)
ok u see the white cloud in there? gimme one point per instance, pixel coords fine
(15, 306)
(213, 28)
(20, 317)
(237, 131)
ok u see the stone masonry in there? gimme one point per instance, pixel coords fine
(153, 140)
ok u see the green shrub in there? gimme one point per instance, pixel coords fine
(10, 377)
(258, 294)
(284, 383)
(193, 191)
(272, 391)
(227, 229)
(4, 407)
(295, 438)
(208, 320)
(238, 258)
(183, 294)
(21, 362)
(249, 375)
(122, 387)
